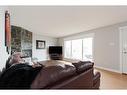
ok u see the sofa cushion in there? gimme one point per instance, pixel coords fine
(18, 76)
(82, 66)
(51, 74)
(8, 63)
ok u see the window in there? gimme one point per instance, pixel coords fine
(87, 49)
(67, 49)
(79, 49)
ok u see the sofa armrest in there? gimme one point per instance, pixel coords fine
(96, 80)
(80, 81)
(82, 66)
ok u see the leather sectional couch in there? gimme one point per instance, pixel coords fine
(57, 75)
(80, 75)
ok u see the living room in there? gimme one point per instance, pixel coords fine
(72, 28)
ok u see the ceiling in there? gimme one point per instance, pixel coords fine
(60, 21)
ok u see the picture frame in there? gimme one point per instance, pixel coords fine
(40, 44)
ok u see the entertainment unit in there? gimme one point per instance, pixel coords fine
(55, 52)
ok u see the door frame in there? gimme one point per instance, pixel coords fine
(120, 47)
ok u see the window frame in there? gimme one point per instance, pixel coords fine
(91, 35)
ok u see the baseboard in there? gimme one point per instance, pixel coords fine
(107, 69)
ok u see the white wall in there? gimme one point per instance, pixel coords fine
(106, 46)
(42, 54)
(3, 53)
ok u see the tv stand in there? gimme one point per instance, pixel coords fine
(55, 56)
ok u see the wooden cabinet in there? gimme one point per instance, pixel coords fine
(56, 56)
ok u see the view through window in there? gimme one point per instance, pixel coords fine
(77, 49)
(67, 46)
(88, 49)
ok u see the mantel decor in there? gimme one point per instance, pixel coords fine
(40, 44)
(7, 32)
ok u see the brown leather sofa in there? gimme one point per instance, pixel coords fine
(80, 75)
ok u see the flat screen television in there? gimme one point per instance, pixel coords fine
(55, 49)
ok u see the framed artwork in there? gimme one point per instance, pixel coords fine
(7, 32)
(40, 44)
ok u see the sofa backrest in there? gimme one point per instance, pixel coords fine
(51, 74)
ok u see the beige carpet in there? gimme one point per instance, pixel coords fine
(111, 80)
